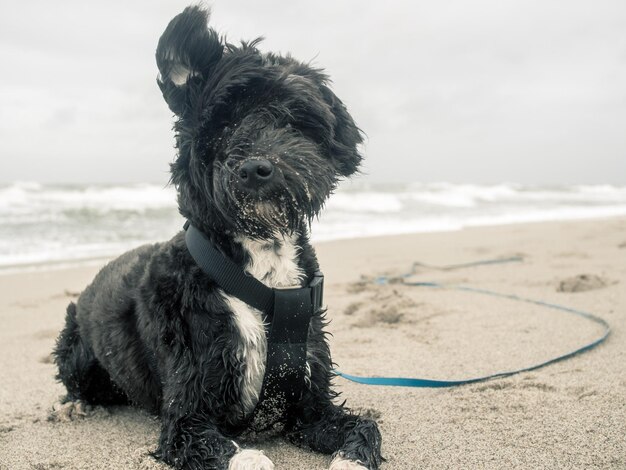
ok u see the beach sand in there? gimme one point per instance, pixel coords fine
(568, 415)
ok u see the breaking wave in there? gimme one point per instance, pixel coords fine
(61, 223)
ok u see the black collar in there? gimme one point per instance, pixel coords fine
(235, 281)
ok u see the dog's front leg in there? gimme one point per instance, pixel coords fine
(355, 441)
(190, 439)
(325, 427)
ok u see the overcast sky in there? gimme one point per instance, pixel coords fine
(480, 91)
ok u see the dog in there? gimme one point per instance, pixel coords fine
(262, 141)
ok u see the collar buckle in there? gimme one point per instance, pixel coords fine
(317, 291)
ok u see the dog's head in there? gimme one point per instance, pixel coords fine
(262, 140)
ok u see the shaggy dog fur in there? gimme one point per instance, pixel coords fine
(262, 142)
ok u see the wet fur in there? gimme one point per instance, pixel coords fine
(152, 330)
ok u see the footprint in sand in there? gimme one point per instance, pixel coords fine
(388, 308)
(582, 393)
(504, 385)
(352, 308)
(538, 386)
(53, 465)
(581, 283)
(495, 385)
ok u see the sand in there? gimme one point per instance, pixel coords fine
(568, 415)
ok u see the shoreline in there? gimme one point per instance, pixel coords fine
(63, 264)
(569, 415)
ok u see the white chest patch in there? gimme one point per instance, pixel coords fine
(275, 264)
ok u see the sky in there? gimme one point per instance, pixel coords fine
(485, 91)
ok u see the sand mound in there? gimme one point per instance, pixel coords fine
(581, 283)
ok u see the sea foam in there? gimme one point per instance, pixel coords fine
(56, 223)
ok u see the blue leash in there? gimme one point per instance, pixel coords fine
(416, 382)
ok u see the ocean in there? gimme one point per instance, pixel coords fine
(76, 224)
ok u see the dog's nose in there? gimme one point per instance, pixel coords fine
(255, 173)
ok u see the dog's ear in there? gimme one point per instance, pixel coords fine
(188, 50)
(343, 146)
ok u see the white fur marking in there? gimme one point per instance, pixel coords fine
(252, 350)
(180, 74)
(274, 266)
(274, 263)
(250, 459)
(339, 463)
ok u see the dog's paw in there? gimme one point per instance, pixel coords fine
(250, 459)
(69, 411)
(339, 463)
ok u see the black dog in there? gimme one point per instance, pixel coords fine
(262, 142)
